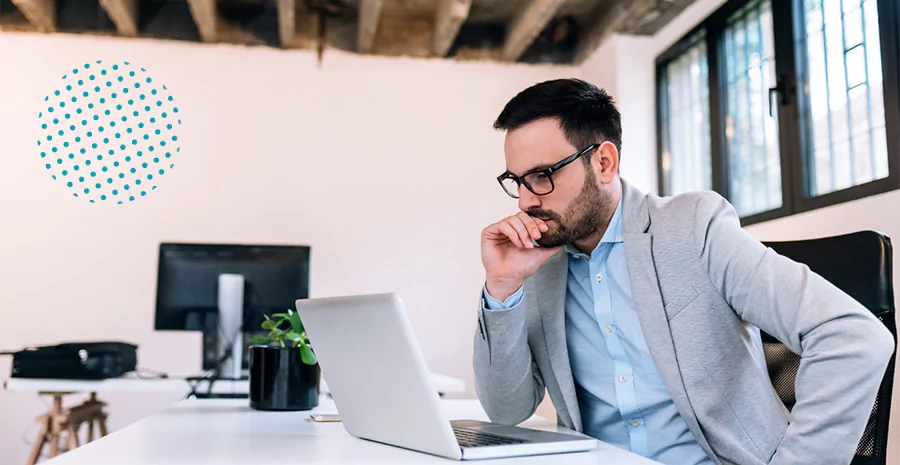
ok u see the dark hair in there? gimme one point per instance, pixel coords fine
(587, 114)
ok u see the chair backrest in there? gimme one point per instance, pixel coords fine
(860, 265)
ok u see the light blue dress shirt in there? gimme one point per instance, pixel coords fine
(621, 395)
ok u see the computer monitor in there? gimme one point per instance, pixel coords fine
(265, 279)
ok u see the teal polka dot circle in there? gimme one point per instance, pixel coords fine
(65, 145)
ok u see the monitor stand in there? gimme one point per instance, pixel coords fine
(211, 355)
(231, 319)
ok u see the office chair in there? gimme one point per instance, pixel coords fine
(860, 265)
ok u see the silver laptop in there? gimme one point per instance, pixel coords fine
(381, 386)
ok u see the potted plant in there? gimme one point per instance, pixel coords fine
(284, 372)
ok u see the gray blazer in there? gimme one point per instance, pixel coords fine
(703, 288)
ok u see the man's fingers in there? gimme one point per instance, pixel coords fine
(521, 228)
(541, 224)
(530, 224)
(510, 233)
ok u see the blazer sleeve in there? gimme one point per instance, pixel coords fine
(508, 384)
(844, 349)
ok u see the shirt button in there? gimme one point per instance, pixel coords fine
(623, 378)
(608, 328)
(599, 278)
(635, 423)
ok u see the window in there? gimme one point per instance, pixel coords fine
(751, 130)
(685, 153)
(783, 106)
(846, 98)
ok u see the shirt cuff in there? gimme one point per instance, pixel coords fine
(491, 303)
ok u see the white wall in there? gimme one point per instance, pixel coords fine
(611, 68)
(600, 68)
(385, 167)
(634, 60)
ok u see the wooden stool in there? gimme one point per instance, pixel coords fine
(59, 420)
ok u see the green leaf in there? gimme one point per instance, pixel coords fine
(307, 355)
(276, 334)
(261, 340)
(293, 336)
(281, 316)
(296, 325)
(265, 316)
(269, 324)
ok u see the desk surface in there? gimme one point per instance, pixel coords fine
(228, 432)
(131, 383)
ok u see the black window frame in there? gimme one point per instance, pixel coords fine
(789, 45)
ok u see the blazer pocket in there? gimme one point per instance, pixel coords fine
(675, 305)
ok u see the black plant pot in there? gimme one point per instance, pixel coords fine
(279, 380)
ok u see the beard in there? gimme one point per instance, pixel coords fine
(582, 218)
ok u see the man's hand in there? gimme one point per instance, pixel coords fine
(508, 254)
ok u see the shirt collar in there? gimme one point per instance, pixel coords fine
(613, 234)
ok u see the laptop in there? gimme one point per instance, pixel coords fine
(382, 389)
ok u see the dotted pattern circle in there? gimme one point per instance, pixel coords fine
(109, 132)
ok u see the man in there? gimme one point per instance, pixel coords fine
(640, 314)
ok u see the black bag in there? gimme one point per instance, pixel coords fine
(77, 360)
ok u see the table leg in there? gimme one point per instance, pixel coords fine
(90, 430)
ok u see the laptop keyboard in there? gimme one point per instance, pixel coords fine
(468, 438)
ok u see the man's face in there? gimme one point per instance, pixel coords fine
(578, 205)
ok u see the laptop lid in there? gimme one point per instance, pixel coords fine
(376, 372)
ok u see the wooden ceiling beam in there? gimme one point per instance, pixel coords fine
(369, 17)
(123, 14)
(410, 37)
(666, 11)
(206, 18)
(40, 13)
(527, 25)
(451, 14)
(628, 17)
(287, 22)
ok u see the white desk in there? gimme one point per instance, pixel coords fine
(58, 388)
(131, 383)
(228, 432)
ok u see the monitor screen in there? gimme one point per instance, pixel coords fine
(188, 276)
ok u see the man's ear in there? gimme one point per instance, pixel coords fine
(605, 162)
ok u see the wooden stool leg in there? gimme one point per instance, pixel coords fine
(72, 440)
(90, 430)
(102, 421)
(54, 440)
(39, 441)
(54, 424)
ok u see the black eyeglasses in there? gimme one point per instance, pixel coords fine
(539, 181)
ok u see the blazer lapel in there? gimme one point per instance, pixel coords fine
(551, 294)
(649, 304)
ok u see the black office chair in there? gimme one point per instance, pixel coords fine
(860, 265)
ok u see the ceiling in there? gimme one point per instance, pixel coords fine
(530, 31)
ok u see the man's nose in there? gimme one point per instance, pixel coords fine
(527, 199)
